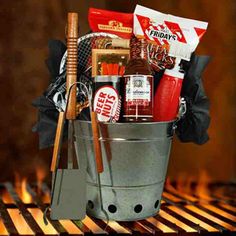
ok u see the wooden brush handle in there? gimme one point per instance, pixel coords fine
(57, 141)
(71, 66)
(105, 133)
(96, 143)
(123, 43)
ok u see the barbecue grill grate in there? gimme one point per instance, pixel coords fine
(180, 214)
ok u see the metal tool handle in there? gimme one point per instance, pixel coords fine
(71, 67)
(96, 143)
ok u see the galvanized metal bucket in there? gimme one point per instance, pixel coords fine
(135, 158)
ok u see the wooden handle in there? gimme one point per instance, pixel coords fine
(71, 66)
(123, 43)
(96, 143)
(57, 141)
(105, 133)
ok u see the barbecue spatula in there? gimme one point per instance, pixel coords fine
(69, 185)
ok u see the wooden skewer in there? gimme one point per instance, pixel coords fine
(58, 140)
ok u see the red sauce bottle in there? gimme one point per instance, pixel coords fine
(138, 84)
(166, 100)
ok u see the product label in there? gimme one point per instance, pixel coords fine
(138, 90)
(163, 29)
(115, 26)
(120, 24)
(107, 104)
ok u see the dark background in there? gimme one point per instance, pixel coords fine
(27, 25)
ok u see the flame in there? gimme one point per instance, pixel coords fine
(202, 189)
(21, 188)
(26, 197)
(40, 175)
(186, 185)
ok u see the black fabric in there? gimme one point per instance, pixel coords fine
(47, 112)
(193, 126)
(56, 51)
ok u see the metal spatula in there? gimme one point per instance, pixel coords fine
(69, 185)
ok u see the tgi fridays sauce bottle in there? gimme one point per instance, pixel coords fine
(138, 84)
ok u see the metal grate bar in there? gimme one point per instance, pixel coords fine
(233, 213)
(152, 228)
(201, 207)
(220, 217)
(82, 227)
(170, 224)
(56, 224)
(135, 227)
(104, 225)
(172, 197)
(8, 223)
(198, 216)
(78, 224)
(25, 213)
(185, 221)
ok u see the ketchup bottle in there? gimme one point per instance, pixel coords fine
(138, 84)
(166, 100)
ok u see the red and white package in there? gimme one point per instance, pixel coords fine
(165, 28)
(120, 24)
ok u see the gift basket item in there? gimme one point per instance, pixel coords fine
(69, 185)
(134, 171)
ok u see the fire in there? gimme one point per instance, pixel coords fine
(202, 189)
(40, 175)
(21, 189)
(187, 185)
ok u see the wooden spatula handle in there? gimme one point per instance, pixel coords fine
(71, 66)
(57, 141)
(96, 143)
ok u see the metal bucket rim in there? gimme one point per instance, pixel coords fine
(131, 123)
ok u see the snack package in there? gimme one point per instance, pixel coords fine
(163, 29)
(107, 99)
(117, 23)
